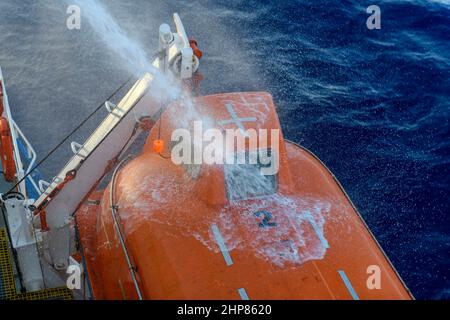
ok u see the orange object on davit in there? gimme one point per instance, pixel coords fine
(214, 232)
(6, 151)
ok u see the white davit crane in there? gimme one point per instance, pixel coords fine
(47, 220)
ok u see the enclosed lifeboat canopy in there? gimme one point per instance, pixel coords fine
(226, 231)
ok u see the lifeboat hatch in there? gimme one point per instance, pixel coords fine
(244, 181)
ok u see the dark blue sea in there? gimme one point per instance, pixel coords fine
(374, 105)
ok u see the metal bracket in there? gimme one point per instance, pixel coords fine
(110, 106)
(76, 148)
(43, 185)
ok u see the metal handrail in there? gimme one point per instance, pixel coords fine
(31, 153)
(17, 159)
(119, 232)
(28, 145)
(16, 133)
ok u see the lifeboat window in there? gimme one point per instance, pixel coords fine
(245, 181)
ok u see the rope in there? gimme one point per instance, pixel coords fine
(69, 135)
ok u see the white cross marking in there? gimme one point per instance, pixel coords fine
(260, 102)
(235, 119)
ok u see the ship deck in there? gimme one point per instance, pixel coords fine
(9, 280)
(4, 187)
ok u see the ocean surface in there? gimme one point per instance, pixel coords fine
(374, 105)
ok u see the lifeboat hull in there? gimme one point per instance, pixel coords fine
(188, 240)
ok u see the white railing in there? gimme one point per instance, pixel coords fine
(16, 134)
(31, 154)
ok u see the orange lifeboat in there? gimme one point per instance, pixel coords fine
(210, 232)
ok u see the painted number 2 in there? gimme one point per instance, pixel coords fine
(266, 221)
